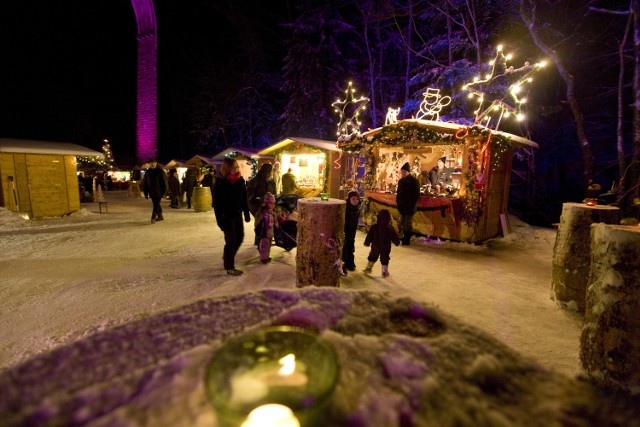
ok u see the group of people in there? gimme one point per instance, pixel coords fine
(235, 201)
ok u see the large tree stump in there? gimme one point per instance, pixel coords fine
(319, 241)
(610, 341)
(572, 251)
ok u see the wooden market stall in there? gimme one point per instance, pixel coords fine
(40, 178)
(473, 207)
(249, 159)
(312, 161)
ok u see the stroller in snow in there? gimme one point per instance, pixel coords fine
(286, 234)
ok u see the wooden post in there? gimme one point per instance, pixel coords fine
(610, 341)
(319, 240)
(572, 251)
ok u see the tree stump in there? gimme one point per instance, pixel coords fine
(610, 340)
(319, 240)
(201, 199)
(572, 251)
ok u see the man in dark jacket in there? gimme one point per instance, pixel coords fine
(407, 199)
(441, 174)
(209, 180)
(155, 184)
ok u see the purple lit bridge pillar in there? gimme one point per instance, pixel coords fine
(147, 107)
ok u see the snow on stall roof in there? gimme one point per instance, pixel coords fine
(449, 127)
(8, 145)
(319, 143)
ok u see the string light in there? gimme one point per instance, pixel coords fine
(348, 123)
(507, 103)
(432, 104)
(392, 116)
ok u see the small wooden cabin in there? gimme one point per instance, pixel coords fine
(312, 161)
(473, 207)
(249, 159)
(40, 178)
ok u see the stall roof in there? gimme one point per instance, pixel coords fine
(253, 153)
(199, 159)
(176, 163)
(319, 143)
(26, 146)
(452, 128)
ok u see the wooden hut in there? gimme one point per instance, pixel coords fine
(40, 178)
(249, 159)
(316, 164)
(473, 207)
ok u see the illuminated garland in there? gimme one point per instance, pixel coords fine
(412, 135)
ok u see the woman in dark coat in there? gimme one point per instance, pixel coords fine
(229, 206)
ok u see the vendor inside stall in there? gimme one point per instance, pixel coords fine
(307, 172)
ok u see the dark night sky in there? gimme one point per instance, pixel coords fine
(69, 69)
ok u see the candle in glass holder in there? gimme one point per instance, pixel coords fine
(271, 415)
(277, 365)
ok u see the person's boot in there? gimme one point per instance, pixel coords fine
(153, 217)
(406, 239)
(385, 271)
(160, 217)
(368, 267)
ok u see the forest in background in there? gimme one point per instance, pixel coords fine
(292, 71)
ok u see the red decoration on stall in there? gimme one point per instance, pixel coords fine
(462, 133)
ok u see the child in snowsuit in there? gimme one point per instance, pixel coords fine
(266, 221)
(351, 217)
(380, 236)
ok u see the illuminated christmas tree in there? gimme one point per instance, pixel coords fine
(108, 155)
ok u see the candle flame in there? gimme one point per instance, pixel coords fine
(288, 364)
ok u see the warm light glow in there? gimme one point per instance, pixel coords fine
(432, 104)
(288, 364)
(271, 415)
(508, 102)
(348, 111)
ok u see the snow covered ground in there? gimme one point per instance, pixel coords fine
(66, 278)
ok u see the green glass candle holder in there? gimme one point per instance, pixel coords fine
(263, 371)
(324, 196)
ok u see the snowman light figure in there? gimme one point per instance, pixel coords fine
(432, 104)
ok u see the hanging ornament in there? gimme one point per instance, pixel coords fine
(348, 111)
(432, 104)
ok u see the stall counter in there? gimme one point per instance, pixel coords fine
(435, 216)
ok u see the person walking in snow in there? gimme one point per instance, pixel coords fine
(174, 189)
(209, 180)
(266, 222)
(190, 181)
(257, 187)
(380, 236)
(351, 218)
(229, 205)
(407, 201)
(155, 185)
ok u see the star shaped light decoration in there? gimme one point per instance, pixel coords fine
(349, 109)
(498, 88)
